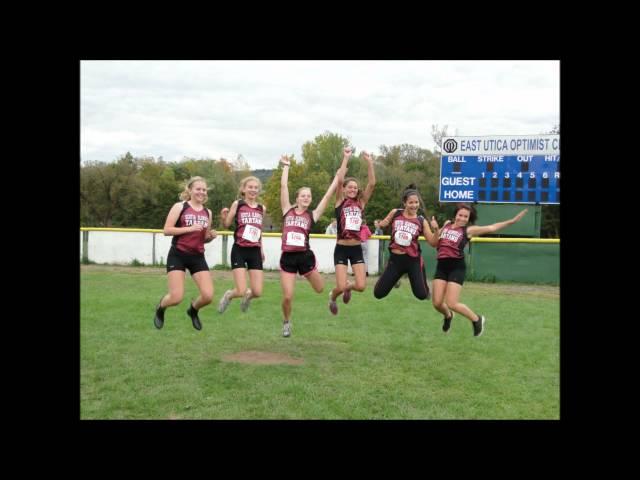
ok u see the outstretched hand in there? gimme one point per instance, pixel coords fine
(367, 156)
(284, 160)
(519, 216)
(348, 152)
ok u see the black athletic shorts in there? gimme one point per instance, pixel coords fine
(450, 270)
(396, 267)
(246, 257)
(345, 253)
(298, 262)
(177, 260)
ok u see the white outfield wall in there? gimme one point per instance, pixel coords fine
(123, 246)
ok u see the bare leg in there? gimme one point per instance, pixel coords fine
(439, 290)
(256, 280)
(175, 279)
(240, 282)
(451, 298)
(288, 283)
(341, 281)
(205, 285)
(316, 281)
(360, 272)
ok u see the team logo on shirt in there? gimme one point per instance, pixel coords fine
(451, 235)
(297, 221)
(404, 232)
(191, 219)
(250, 218)
(352, 218)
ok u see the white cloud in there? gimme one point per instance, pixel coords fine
(261, 109)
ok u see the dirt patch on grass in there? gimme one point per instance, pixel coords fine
(262, 358)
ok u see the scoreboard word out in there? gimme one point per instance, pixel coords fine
(501, 169)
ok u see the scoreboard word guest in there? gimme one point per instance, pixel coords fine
(501, 169)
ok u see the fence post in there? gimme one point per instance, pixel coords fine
(224, 250)
(153, 249)
(85, 246)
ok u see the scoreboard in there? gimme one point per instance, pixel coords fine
(501, 169)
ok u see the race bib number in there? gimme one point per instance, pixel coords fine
(353, 223)
(251, 233)
(295, 239)
(403, 238)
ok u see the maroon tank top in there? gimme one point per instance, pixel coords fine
(452, 241)
(192, 242)
(349, 219)
(296, 228)
(405, 232)
(248, 230)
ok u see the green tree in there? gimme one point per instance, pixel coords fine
(105, 188)
(324, 153)
(161, 192)
(271, 190)
(127, 192)
(223, 189)
(401, 165)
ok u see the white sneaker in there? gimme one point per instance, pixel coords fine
(224, 301)
(286, 329)
(246, 299)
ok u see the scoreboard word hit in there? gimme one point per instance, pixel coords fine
(501, 169)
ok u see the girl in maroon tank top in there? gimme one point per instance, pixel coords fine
(189, 222)
(450, 270)
(350, 205)
(246, 253)
(296, 256)
(406, 255)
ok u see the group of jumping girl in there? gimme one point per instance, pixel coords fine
(189, 222)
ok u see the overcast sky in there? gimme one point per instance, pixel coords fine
(262, 109)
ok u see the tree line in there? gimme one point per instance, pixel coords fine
(137, 192)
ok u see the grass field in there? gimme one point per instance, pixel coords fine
(377, 359)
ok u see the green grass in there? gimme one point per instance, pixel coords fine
(378, 359)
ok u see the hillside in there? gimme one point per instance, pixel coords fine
(263, 174)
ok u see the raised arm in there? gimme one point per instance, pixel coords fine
(228, 214)
(384, 223)
(371, 183)
(284, 184)
(477, 230)
(337, 181)
(436, 232)
(346, 155)
(431, 237)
